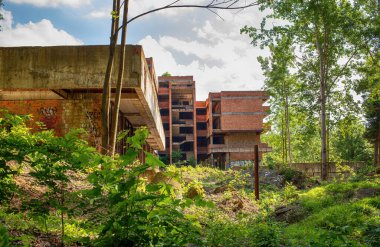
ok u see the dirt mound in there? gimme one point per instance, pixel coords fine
(233, 203)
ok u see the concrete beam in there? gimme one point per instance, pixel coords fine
(65, 67)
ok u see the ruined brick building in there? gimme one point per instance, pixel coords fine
(223, 129)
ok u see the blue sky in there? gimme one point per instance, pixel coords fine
(183, 42)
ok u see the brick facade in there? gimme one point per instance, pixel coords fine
(227, 125)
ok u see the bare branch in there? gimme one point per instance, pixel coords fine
(213, 5)
(216, 13)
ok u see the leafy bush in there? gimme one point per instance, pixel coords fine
(226, 233)
(140, 213)
(194, 189)
(293, 176)
(4, 238)
(137, 213)
(290, 192)
(14, 143)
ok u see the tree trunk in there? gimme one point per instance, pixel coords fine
(283, 137)
(288, 127)
(106, 96)
(322, 81)
(377, 149)
(323, 131)
(119, 82)
(328, 126)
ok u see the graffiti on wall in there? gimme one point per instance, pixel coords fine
(91, 125)
(48, 112)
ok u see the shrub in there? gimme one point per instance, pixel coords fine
(140, 213)
(194, 189)
(227, 233)
(4, 239)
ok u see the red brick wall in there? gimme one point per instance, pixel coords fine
(62, 115)
(242, 156)
(242, 105)
(242, 122)
(47, 111)
(243, 140)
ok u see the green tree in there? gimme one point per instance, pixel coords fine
(280, 85)
(348, 143)
(322, 32)
(166, 74)
(369, 86)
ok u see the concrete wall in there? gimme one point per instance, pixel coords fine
(64, 67)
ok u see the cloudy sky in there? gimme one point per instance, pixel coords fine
(181, 41)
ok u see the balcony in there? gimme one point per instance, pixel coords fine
(186, 107)
(222, 148)
(202, 150)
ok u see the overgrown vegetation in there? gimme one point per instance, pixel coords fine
(60, 190)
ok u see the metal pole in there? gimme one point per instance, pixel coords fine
(256, 172)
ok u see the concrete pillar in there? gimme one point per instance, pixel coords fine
(170, 125)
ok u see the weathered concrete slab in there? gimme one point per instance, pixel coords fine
(64, 72)
(64, 67)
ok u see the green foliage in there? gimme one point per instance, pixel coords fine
(118, 207)
(194, 189)
(348, 143)
(290, 192)
(167, 74)
(4, 238)
(369, 87)
(165, 159)
(208, 176)
(321, 197)
(15, 142)
(308, 48)
(140, 213)
(241, 180)
(176, 157)
(223, 232)
(353, 224)
(192, 161)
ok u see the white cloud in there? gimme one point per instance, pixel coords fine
(222, 58)
(41, 33)
(100, 14)
(53, 3)
(137, 7)
(140, 6)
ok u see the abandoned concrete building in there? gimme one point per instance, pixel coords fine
(222, 130)
(62, 87)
